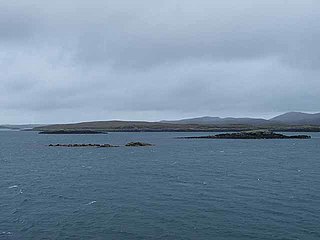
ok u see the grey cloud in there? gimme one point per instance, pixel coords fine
(148, 33)
(157, 59)
(16, 23)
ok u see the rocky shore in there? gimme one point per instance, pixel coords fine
(250, 135)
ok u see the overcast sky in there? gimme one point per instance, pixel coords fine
(74, 60)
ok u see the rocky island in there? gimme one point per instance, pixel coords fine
(138, 144)
(250, 135)
(97, 145)
(83, 145)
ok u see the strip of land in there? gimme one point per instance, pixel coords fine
(97, 145)
(288, 122)
(250, 135)
(134, 126)
(71, 131)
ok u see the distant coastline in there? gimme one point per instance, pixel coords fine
(119, 126)
(288, 122)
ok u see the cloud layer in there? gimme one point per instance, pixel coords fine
(98, 60)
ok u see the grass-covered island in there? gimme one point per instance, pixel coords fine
(260, 134)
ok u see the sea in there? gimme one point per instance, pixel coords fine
(177, 189)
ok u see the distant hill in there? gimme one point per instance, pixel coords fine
(137, 126)
(298, 118)
(293, 121)
(223, 121)
(290, 118)
(128, 126)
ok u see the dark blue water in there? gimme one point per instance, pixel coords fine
(178, 189)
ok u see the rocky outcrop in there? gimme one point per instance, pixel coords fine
(138, 144)
(251, 135)
(130, 144)
(83, 145)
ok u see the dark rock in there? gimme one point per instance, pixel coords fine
(82, 145)
(138, 144)
(259, 134)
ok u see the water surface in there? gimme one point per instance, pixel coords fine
(178, 189)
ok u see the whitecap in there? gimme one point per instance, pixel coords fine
(14, 186)
(92, 202)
